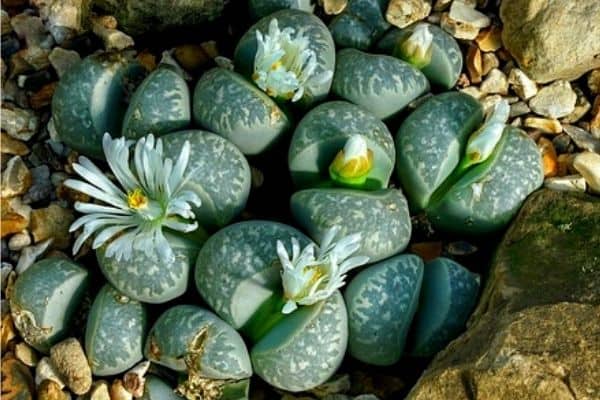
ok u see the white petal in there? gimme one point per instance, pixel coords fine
(289, 306)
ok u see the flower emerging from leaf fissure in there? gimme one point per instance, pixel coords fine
(483, 141)
(150, 197)
(315, 273)
(352, 164)
(417, 48)
(284, 63)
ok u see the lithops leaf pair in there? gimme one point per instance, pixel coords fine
(238, 273)
(90, 100)
(427, 47)
(466, 182)
(44, 299)
(360, 24)
(115, 332)
(379, 83)
(209, 351)
(263, 8)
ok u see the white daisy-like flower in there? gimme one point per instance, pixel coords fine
(483, 141)
(150, 197)
(284, 63)
(315, 273)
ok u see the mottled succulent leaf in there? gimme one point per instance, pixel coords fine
(44, 299)
(320, 41)
(161, 104)
(360, 24)
(157, 389)
(218, 173)
(382, 300)
(381, 217)
(306, 348)
(90, 100)
(115, 332)
(430, 143)
(448, 295)
(227, 104)
(238, 268)
(322, 133)
(381, 84)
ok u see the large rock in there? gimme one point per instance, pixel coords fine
(149, 16)
(536, 331)
(555, 39)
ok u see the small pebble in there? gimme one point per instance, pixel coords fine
(569, 183)
(19, 123)
(474, 64)
(461, 248)
(50, 390)
(18, 241)
(191, 56)
(489, 39)
(35, 57)
(99, 391)
(595, 120)
(562, 143)
(8, 145)
(62, 60)
(473, 91)
(134, 379)
(464, 21)
(588, 165)
(520, 83)
(7, 333)
(333, 7)
(30, 254)
(402, 13)
(118, 391)
(45, 370)
(519, 108)
(582, 106)
(545, 125)
(556, 100)
(565, 165)
(489, 61)
(16, 178)
(17, 382)
(5, 271)
(70, 361)
(15, 216)
(582, 138)
(52, 222)
(113, 39)
(593, 81)
(495, 82)
(5, 26)
(26, 354)
(43, 96)
(488, 102)
(66, 18)
(41, 187)
(549, 157)
(32, 30)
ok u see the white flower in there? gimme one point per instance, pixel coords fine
(483, 141)
(417, 48)
(149, 198)
(315, 273)
(353, 163)
(284, 63)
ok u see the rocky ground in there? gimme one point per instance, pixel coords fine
(535, 330)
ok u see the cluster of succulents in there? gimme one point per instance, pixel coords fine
(272, 291)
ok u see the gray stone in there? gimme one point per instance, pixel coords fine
(582, 138)
(31, 29)
(554, 101)
(66, 18)
(62, 60)
(535, 332)
(41, 187)
(552, 39)
(19, 123)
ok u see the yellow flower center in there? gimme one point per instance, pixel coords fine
(355, 167)
(136, 199)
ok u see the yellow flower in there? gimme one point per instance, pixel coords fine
(352, 164)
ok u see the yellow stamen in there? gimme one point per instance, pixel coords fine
(276, 65)
(136, 199)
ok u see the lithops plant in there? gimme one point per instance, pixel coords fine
(286, 302)
(448, 295)
(262, 8)
(227, 104)
(427, 47)
(90, 100)
(382, 300)
(44, 299)
(382, 84)
(289, 55)
(330, 137)
(115, 332)
(159, 105)
(210, 352)
(157, 389)
(469, 182)
(380, 216)
(360, 24)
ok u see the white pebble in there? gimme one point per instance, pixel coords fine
(569, 183)
(588, 165)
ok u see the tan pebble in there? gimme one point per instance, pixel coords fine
(463, 21)
(593, 81)
(118, 391)
(582, 106)
(458, 29)
(402, 13)
(17, 382)
(99, 391)
(210, 48)
(333, 7)
(113, 39)
(441, 5)
(588, 165)
(26, 354)
(519, 108)
(489, 61)
(148, 60)
(546, 125)
(463, 81)
(134, 379)
(473, 91)
(565, 164)
(521, 84)
(488, 102)
(595, 120)
(556, 100)
(46, 371)
(70, 361)
(569, 183)
(474, 65)
(7, 332)
(19, 241)
(50, 390)
(489, 39)
(495, 82)
(191, 56)
(107, 21)
(549, 158)
(16, 178)
(9, 145)
(15, 216)
(52, 222)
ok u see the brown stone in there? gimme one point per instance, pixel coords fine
(191, 56)
(50, 390)
(14, 216)
(490, 39)
(16, 178)
(474, 64)
(52, 222)
(549, 157)
(9, 145)
(17, 382)
(535, 333)
(43, 97)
